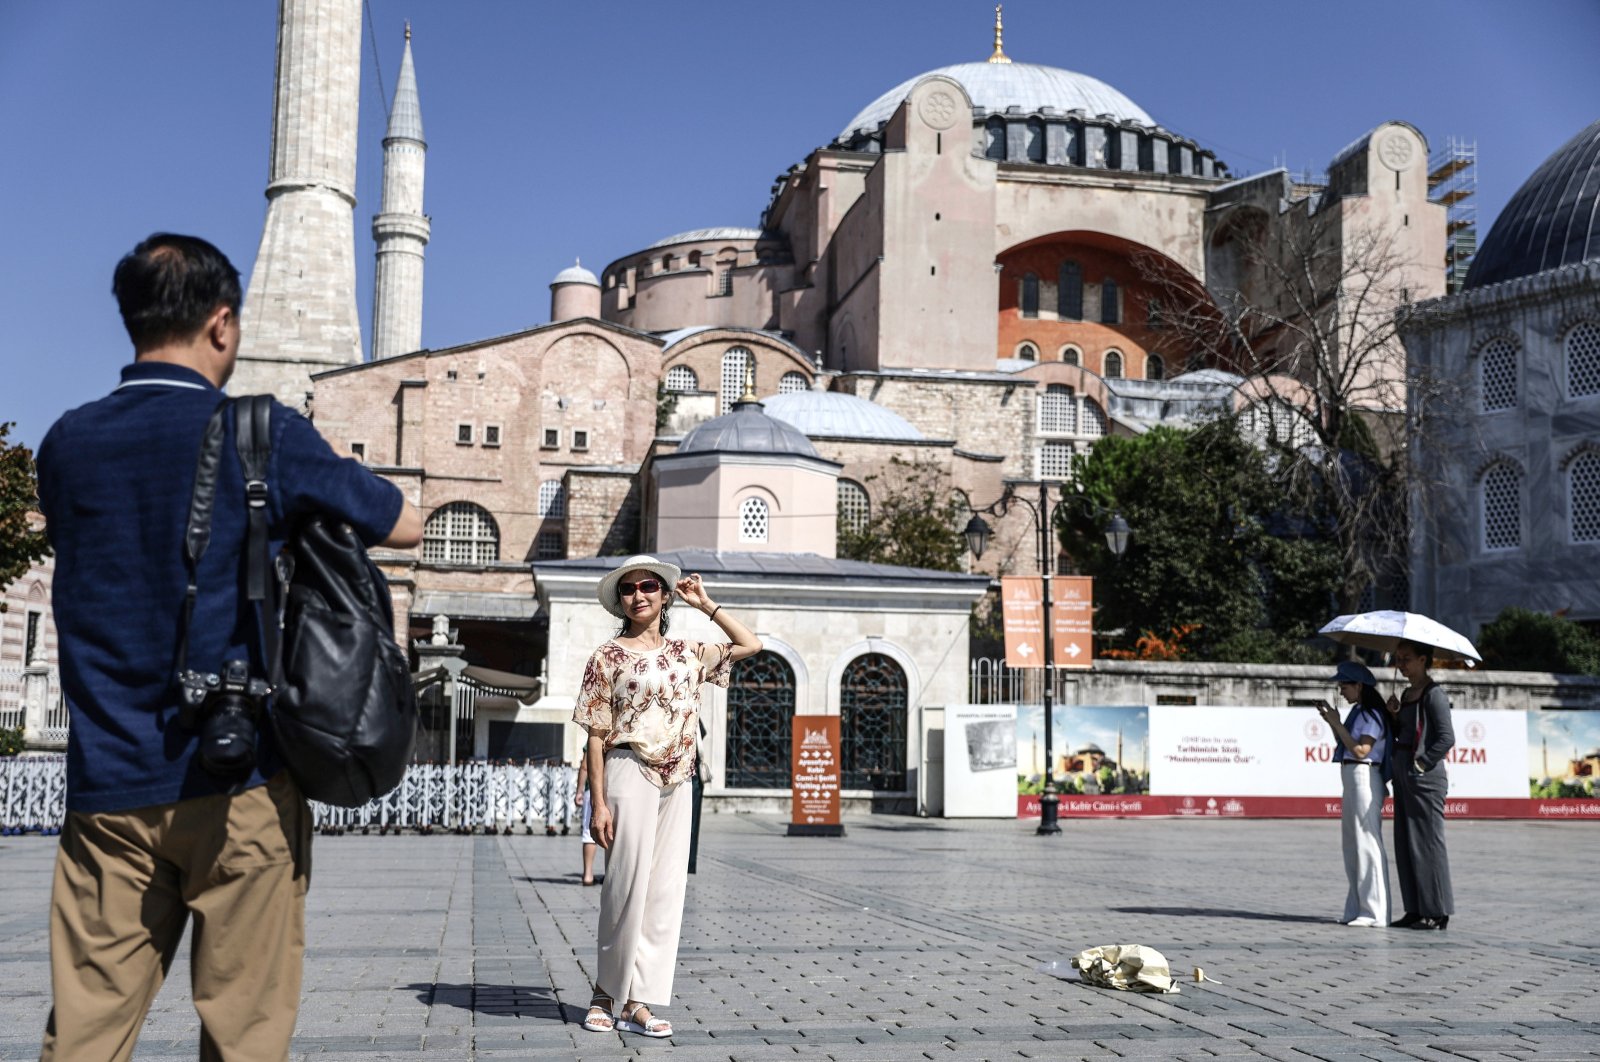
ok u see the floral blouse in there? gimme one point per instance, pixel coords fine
(651, 700)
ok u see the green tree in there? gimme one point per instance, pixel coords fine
(916, 520)
(1215, 545)
(1522, 640)
(20, 544)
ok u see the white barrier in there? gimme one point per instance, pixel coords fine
(465, 797)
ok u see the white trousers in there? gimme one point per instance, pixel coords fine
(1365, 863)
(647, 873)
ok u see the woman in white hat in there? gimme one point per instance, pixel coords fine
(1362, 755)
(639, 704)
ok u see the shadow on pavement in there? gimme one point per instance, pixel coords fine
(565, 879)
(505, 1001)
(1223, 912)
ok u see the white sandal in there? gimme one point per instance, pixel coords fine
(653, 1027)
(599, 1018)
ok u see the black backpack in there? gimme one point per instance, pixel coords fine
(343, 710)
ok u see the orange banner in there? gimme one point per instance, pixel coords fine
(814, 774)
(1022, 613)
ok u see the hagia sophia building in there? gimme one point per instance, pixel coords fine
(961, 279)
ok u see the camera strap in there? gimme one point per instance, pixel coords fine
(197, 536)
(252, 439)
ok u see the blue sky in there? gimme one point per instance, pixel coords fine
(564, 130)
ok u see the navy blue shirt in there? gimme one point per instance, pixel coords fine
(115, 478)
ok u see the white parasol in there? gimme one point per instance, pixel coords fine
(1386, 629)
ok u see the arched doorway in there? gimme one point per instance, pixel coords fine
(872, 724)
(760, 722)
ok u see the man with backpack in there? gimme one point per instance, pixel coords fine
(177, 802)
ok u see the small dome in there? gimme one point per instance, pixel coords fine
(576, 274)
(834, 414)
(747, 430)
(1553, 220)
(993, 87)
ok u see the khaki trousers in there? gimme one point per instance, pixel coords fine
(647, 873)
(125, 884)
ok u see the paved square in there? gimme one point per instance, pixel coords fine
(913, 939)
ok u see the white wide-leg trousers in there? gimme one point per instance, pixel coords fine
(647, 873)
(1365, 862)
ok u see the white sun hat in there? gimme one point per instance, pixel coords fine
(607, 590)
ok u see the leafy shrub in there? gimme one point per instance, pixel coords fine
(1520, 639)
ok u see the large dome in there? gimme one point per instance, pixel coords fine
(835, 414)
(1553, 220)
(993, 87)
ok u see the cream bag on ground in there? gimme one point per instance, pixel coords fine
(1129, 967)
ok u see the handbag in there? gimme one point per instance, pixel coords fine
(343, 708)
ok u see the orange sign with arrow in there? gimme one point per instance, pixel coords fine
(1022, 612)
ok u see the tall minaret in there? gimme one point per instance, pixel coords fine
(401, 228)
(300, 310)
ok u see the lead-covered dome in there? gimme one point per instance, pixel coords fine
(747, 430)
(837, 415)
(994, 87)
(1553, 220)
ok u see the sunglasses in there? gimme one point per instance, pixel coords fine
(644, 586)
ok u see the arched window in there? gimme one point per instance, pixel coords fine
(1583, 360)
(753, 520)
(1035, 140)
(694, 259)
(1030, 295)
(1069, 292)
(667, 262)
(994, 139)
(461, 533)
(855, 508)
(1071, 355)
(1152, 313)
(1497, 375)
(1155, 367)
(734, 364)
(760, 716)
(1273, 422)
(1110, 311)
(793, 383)
(1027, 351)
(1113, 365)
(1092, 419)
(552, 500)
(1058, 411)
(1583, 497)
(1501, 507)
(682, 378)
(872, 724)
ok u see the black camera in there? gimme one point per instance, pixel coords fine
(223, 710)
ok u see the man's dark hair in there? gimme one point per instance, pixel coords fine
(169, 285)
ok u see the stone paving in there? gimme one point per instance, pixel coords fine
(912, 939)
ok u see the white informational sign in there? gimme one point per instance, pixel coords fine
(980, 761)
(1218, 751)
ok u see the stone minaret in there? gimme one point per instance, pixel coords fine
(401, 228)
(300, 310)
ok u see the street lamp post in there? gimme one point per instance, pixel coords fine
(977, 535)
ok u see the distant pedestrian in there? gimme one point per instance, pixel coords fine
(1423, 737)
(639, 704)
(1363, 747)
(175, 810)
(581, 798)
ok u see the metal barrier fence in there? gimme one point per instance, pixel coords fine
(990, 681)
(14, 708)
(476, 796)
(12, 711)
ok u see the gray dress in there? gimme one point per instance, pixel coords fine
(1423, 736)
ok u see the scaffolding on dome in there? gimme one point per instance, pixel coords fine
(1453, 183)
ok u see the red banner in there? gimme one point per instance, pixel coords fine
(1116, 805)
(814, 775)
(1022, 615)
